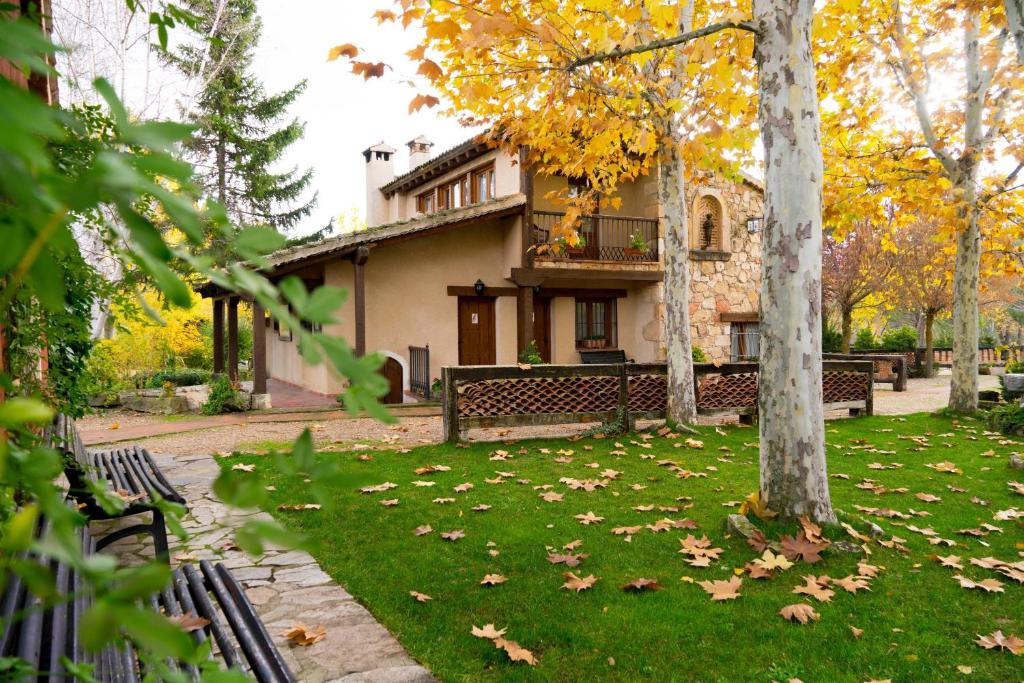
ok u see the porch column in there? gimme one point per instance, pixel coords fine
(524, 318)
(359, 260)
(233, 338)
(259, 349)
(218, 335)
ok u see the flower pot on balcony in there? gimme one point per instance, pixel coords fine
(575, 251)
(630, 251)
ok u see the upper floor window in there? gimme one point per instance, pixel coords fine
(745, 341)
(483, 184)
(425, 203)
(470, 188)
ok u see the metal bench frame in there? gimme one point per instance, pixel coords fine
(128, 469)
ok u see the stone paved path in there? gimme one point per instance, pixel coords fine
(285, 586)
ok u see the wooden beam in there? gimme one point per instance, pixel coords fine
(526, 187)
(529, 277)
(454, 290)
(259, 349)
(218, 335)
(233, 338)
(359, 261)
(741, 317)
(600, 293)
(524, 318)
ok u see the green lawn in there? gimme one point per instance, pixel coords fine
(918, 623)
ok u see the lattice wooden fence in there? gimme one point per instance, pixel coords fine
(505, 396)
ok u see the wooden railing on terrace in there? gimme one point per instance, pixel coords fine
(608, 238)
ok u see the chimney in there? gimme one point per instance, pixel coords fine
(419, 151)
(380, 170)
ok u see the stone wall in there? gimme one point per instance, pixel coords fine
(728, 281)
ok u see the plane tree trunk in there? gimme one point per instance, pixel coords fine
(794, 480)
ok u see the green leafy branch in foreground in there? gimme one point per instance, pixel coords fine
(128, 184)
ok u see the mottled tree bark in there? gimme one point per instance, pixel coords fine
(847, 314)
(963, 385)
(794, 480)
(681, 406)
(682, 401)
(1015, 22)
(929, 343)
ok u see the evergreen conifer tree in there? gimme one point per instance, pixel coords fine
(242, 132)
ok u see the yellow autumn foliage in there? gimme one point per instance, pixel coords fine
(142, 346)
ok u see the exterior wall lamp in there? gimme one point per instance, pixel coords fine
(755, 224)
(479, 287)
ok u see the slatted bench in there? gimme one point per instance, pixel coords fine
(43, 635)
(610, 357)
(130, 472)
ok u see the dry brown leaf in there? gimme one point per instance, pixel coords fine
(189, 621)
(493, 580)
(576, 583)
(300, 634)
(389, 503)
(856, 631)
(589, 518)
(642, 584)
(568, 559)
(453, 535)
(987, 585)
(996, 640)
(800, 611)
(420, 597)
(815, 586)
(852, 584)
(802, 548)
(515, 651)
(488, 631)
(723, 590)
(462, 488)
(949, 561)
(241, 467)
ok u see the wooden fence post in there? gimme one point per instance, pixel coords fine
(624, 418)
(869, 408)
(450, 399)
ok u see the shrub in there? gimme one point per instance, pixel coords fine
(987, 340)
(1008, 419)
(1015, 367)
(223, 397)
(531, 355)
(698, 355)
(178, 378)
(865, 340)
(831, 338)
(901, 339)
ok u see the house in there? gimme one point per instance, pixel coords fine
(449, 271)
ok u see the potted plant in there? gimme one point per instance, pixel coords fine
(593, 342)
(566, 248)
(637, 245)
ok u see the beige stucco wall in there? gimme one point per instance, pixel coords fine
(633, 195)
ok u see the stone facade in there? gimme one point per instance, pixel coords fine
(726, 279)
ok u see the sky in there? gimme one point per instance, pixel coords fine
(343, 113)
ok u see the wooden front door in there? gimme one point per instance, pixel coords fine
(392, 372)
(542, 327)
(477, 345)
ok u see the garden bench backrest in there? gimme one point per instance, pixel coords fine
(603, 357)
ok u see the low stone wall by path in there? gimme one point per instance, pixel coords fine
(285, 586)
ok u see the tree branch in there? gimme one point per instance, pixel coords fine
(663, 43)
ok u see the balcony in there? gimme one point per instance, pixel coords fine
(607, 238)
